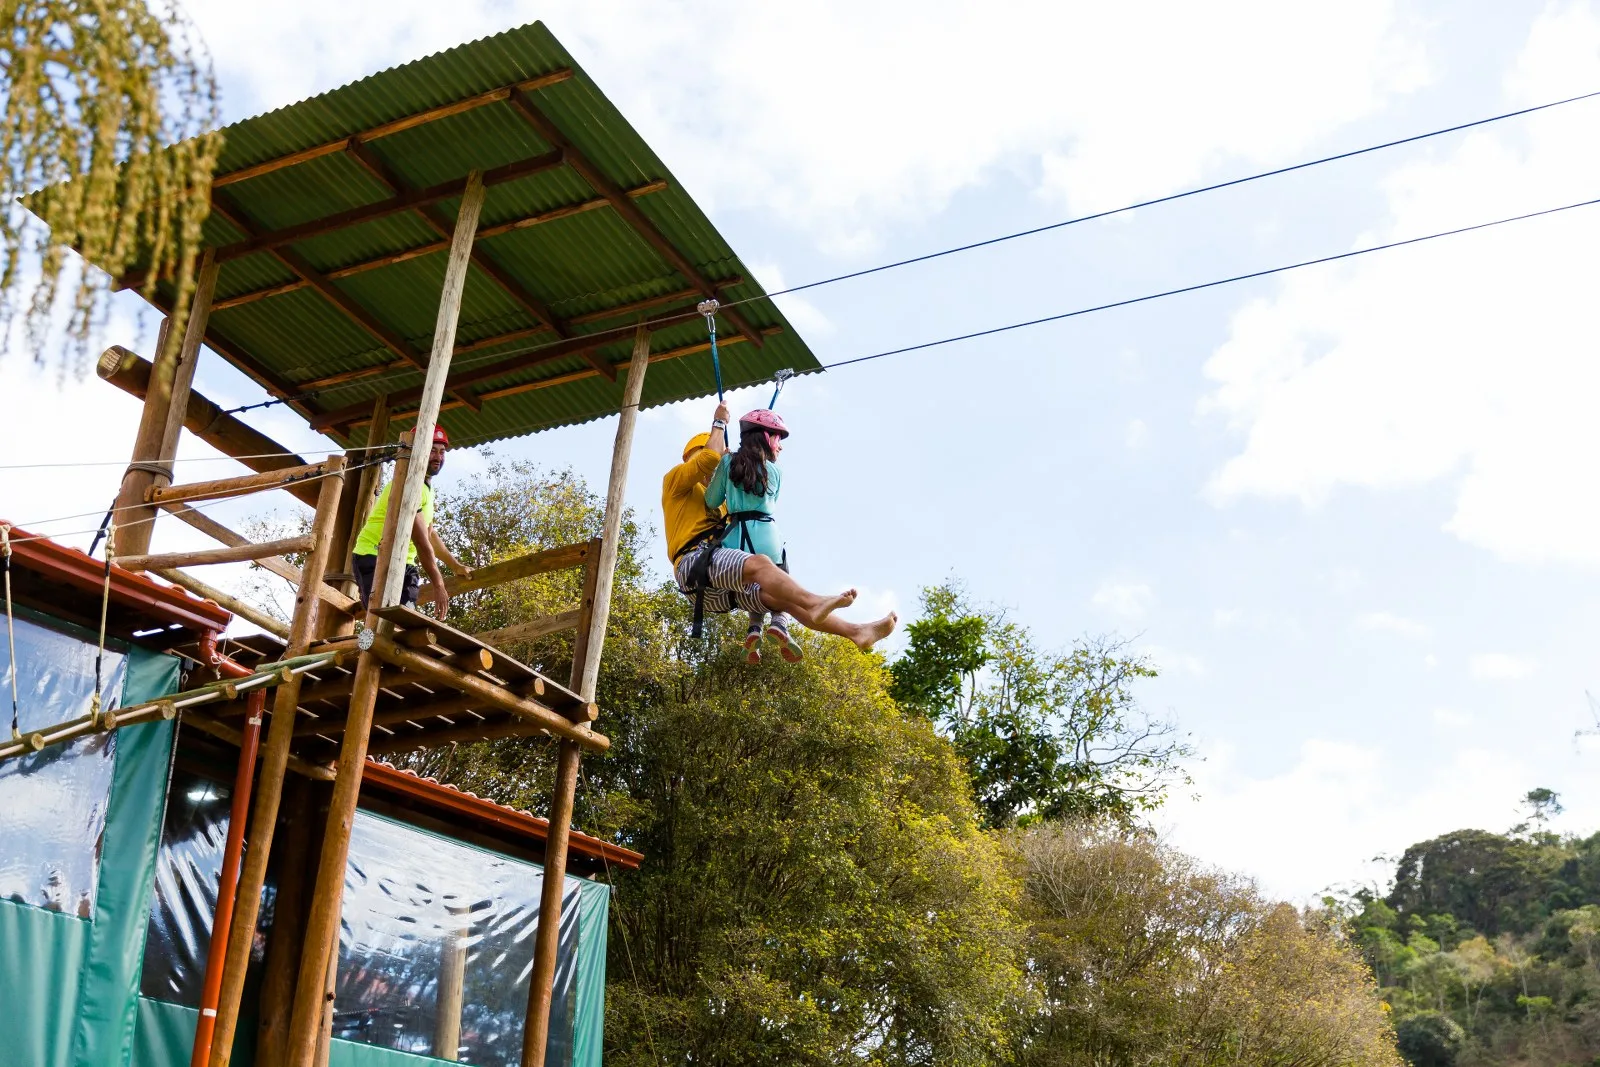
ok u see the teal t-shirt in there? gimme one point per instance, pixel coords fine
(763, 536)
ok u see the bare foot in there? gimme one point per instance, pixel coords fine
(832, 604)
(873, 632)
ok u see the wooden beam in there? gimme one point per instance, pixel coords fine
(208, 556)
(492, 695)
(249, 483)
(432, 247)
(239, 607)
(322, 929)
(394, 126)
(223, 732)
(627, 209)
(275, 763)
(532, 305)
(463, 735)
(340, 299)
(131, 373)
(511, 570)
(382, 209)
(527, 631)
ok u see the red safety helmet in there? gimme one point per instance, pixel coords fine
(440, 437)
(764, 420)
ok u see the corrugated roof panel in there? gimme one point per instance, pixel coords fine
(577, 265)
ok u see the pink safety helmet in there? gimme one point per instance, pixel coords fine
(763, 419)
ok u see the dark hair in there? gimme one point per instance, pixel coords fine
(748, 468)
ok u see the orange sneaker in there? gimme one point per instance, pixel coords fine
(788, 647)
(752, 647)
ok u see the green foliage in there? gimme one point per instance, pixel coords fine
(1430, 1039)
(1144, 956)
(1496, 935)
(1044, 735)
(819, 888)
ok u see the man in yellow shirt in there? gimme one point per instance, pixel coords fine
(426, 545)
(735, 579)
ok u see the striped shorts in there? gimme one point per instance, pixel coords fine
(727, 591)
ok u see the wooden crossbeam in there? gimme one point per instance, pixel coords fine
(394, 205)
(433, 247)
(249, 483)
(527, 631)
(394, 126)
(350, 417)
(206, 556)
(511, 570)
(626, 208)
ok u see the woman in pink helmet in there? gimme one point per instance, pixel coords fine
(747, 481)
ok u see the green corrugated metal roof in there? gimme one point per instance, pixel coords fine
(577, 265)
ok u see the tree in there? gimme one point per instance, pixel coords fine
(1044, 735)
(106, 104)
(1142, 955)
(1430, 1039)
(818, 890)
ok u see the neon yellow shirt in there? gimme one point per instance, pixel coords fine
(372, 532)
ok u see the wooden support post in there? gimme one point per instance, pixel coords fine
(323, 926)
(269, 792)
(165, 404)
(585, 673)
(452, 984)
(361, 483)
(288, 921)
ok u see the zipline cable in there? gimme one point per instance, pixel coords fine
(1211, 284)
(1213, 187)
(1268, 272)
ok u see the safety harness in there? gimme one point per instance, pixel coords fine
(704, 545)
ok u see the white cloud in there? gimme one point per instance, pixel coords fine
(1384, 622)
(1430, 661)
(1468, 359)
(1128, 599)
(1222, 618)
(1136, 435)
(1499, 667)
(1451, 718)
(1337, 806)
(840, 117)
(806, 316)
(1172, 661)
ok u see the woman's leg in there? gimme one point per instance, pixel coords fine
(782, 593)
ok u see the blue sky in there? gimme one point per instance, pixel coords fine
(1349, 512)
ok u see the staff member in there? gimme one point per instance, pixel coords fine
(425, 544)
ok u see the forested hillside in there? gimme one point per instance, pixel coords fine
(1487, 946)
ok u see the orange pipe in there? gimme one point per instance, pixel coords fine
(233, 851)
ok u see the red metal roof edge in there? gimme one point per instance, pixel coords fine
(74, 567)
(460, 802)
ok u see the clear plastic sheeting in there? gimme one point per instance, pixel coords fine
(437, 946)
(53, 803)
(188, 872)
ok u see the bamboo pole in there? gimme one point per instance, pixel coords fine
(270, 790)
(249, 483)
(323, 925)
(206, 556)
(585, 651)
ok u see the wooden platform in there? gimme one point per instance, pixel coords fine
(445, 692)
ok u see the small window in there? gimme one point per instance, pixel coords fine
(53, 803)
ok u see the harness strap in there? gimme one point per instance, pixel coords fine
(11, 635)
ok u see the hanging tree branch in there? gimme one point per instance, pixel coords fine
(106, 104)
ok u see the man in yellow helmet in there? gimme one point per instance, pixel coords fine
(723, 579)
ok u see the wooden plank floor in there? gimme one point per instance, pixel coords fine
(413, 711)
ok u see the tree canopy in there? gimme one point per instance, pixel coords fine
(821, 884)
